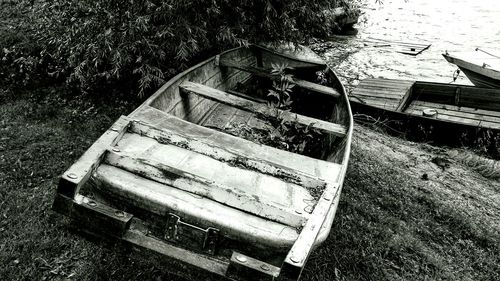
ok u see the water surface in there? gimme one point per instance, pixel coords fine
(453, 25)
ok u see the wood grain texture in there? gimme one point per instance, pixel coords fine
(293, 167)
(248, 105)
(161, 199)
(261, 72)
(78, 174)
(246, 190)
(302, 248)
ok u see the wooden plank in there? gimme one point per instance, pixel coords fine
(492, 103)
(386, 83)
(389, 94)
(76, 176)
(138, 238)
(405, 100)
(386, 87)
(460, 108)
(462, 114)
(220, 117)
(377, 95)
(385, 104)
(266, 74)
(454, 119)
(292, 167)
(396, 41)
(161, 199)
(398, 93)
(190, 178)
(409, 48)
(302, 248)
(240, 103)
(245, 96)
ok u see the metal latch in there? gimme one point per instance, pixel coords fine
(191, 236)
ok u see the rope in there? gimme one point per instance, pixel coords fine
(477, 49)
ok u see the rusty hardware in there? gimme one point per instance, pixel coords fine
(191, 236)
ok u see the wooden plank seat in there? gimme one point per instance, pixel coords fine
(161, 199)
(296, 168)
(259, 194)
(248, 105)
(261, 72)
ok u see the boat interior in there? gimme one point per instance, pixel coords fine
(230, 94)
(176, 158)
(468, 105)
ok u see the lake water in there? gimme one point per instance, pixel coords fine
(453, 25)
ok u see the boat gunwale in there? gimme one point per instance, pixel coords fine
(473, 67)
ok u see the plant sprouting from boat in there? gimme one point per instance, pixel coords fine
(282, 87)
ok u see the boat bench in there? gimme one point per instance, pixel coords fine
(261, 72)
(255, 107)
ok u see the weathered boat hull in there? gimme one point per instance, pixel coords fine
(482, 68)
(171, 179)
(480, 80)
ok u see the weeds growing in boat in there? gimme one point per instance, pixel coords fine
(281, 90)
(281, 132)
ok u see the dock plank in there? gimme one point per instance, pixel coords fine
(384, 104)
(378, 95)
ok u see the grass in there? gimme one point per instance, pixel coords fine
(391, 224)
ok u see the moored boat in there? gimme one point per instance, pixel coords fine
(449, 109)
(482, 67)
(185, 178)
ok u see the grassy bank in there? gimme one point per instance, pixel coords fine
(393, 222)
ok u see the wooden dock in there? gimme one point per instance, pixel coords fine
(408, 48)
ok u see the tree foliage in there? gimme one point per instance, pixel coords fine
(136, 45)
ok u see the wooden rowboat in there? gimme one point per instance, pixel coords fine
(448, 108)
(175, 181)
(481, 67)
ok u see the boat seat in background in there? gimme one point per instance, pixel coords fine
(261, 72)
(248, 105)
